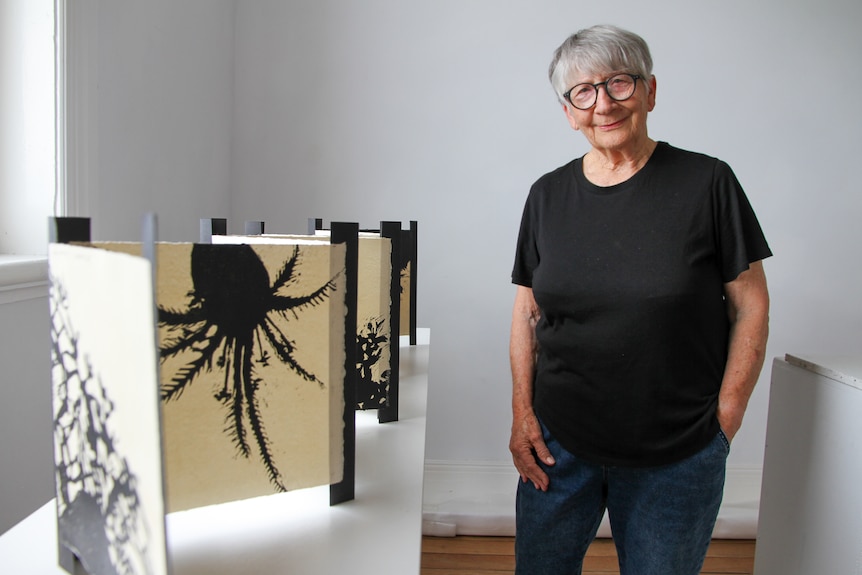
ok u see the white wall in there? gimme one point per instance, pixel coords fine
(26, 471)
(161, 92)
(442, 112)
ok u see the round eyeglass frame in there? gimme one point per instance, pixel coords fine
(635, 77)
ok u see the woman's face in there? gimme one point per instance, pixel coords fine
(611, 125)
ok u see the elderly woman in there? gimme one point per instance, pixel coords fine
(638, 331)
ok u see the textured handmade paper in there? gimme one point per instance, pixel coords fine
(252, 349)
(107, 449)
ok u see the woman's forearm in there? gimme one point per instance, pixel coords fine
(748, 306)
(522, 349)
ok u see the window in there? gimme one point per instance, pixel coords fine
(28, 152)
(27, 118)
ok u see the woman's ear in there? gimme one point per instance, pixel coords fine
(570, 117)
(651, 96)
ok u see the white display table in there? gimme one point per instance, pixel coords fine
(811, 503)
(297, 532)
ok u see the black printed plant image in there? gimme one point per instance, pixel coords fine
(234, 320)
(372, 342)
(98, 506)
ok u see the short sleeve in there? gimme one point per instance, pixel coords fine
(739, 237)
(526, 251)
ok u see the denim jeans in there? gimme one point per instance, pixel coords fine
(661, 517)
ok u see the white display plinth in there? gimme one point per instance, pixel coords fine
(294, 533)
(810, 519)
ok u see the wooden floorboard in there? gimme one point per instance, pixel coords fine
(464, 555)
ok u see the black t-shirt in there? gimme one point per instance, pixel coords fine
(633, 333)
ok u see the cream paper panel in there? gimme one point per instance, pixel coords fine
(373, 303)
(406, 301)
(375, 271)
(337, 266)
(109, 314)
(373, 314)
(302, 420)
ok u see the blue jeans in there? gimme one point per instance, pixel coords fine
(661, 517)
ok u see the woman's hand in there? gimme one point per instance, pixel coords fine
(527, 445)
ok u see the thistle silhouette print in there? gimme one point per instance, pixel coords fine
(373, 383)
(94, 483)
(233, 322)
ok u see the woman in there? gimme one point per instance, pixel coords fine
(638, 332)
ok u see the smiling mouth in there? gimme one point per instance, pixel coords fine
(611, 126)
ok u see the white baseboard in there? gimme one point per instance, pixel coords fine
(478, 498)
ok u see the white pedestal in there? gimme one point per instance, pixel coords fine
(811, 502)
(294, 533)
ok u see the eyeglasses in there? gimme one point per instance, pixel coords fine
(619, 88)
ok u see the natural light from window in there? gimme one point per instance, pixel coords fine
(27, 126)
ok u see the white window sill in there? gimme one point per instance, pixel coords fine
(23, 278)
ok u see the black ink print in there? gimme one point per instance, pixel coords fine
(372, 389)
(98, 506)
(230, 324)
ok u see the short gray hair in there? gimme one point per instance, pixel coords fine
(597, 50)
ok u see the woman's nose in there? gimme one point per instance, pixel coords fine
(603, 101)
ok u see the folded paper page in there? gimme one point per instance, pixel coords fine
(252, 368)
(107, 448)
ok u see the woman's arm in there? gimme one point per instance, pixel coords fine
(526, 443)
(748, 309)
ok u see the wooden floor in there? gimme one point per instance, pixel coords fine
(495, 556)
